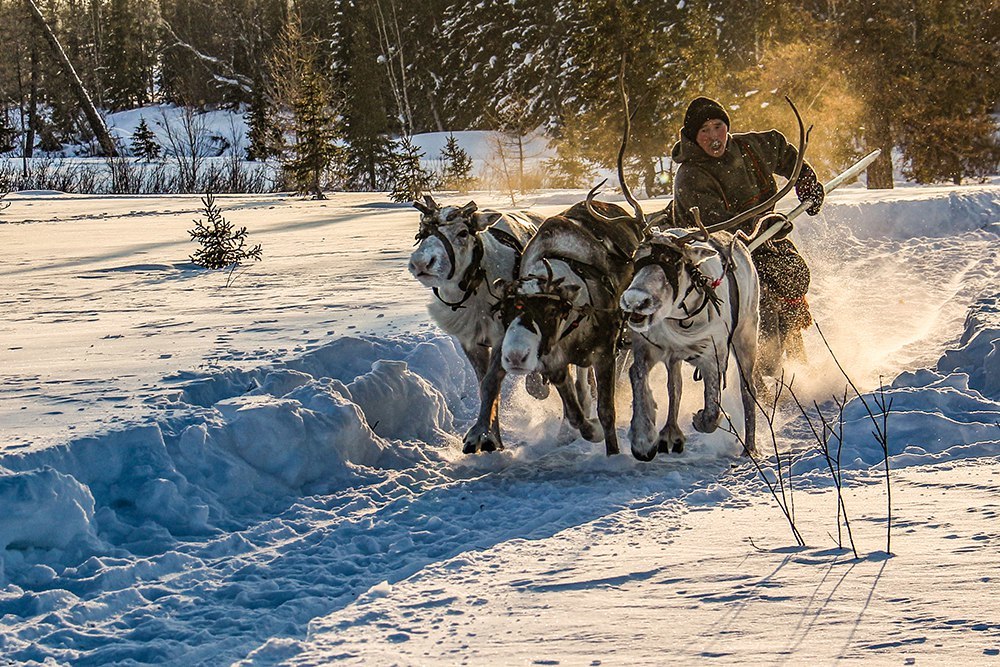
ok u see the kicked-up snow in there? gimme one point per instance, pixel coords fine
(270, 473)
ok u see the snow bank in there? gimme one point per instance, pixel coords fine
(229, 445)
(909, 213)
(949, 412)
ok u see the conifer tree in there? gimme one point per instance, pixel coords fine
(8, 135)
(221, 244)
(263, 131)
(411, 179)
(144, 142)
(128, 42)
(368, 123)
(457, 174)
(315, 131)
(306, 109)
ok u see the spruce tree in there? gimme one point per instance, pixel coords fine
(411, 179)
(8, 135)
(221, 244)
(263, 129)
(144, 142)
(315, 132)
(457, 174)
(368, 122)
(306, 109)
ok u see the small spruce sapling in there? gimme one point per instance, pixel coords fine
(222, 245)
(144, 143)
(410, 180)
(457, 174)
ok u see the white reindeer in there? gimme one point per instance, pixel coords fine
(695, 297)
(461, 252)
(690, 301)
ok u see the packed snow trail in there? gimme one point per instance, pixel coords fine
(259, 508)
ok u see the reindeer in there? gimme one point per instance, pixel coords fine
(694, 297)
(563, 310)
(460, 253)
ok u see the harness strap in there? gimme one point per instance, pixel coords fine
(511, 242)
(471, 279)
(586, 271)
(765, 184)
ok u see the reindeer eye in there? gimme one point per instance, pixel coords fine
(464, 234)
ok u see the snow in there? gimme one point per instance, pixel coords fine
(270, 473)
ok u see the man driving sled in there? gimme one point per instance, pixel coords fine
(725, 174)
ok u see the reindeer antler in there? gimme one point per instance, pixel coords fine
(737, 220)
(702, 233)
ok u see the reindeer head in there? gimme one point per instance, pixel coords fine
(669, 266)
(446, 241)
(538, 312)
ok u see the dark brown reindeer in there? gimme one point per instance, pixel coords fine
(562, 311)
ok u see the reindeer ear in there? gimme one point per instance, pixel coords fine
(468, 209)
(484, 219)
(569, 290)
(423, 209)
(698, 252)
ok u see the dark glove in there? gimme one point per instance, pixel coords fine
(808, 187)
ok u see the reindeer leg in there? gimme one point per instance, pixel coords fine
(671, 436)
(573, 411)
(485, 433)
(706, 420)
(642, 428)
(604, 371)
(479, 357)
(745, 351)
(586, 389)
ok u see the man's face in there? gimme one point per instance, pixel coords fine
(712, 137)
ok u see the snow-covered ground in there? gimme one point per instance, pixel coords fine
(270, 472)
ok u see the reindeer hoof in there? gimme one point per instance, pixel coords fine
(671, 441)
(491, 445)
(536, 386)
(645, 456)
(481, 442)
(592, 431)
(704, 422)
(666, 446)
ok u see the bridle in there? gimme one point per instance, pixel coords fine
(475, 273)
(666, 256)
(536, 306)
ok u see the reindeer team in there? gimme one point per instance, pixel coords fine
(554, 299)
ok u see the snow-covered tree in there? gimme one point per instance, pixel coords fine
(144, 142)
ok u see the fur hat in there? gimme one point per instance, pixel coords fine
(700, 110)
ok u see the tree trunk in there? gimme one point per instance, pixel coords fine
(29, 134)
(878, 134)
(83, 97)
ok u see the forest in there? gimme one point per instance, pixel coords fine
(334, 89)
